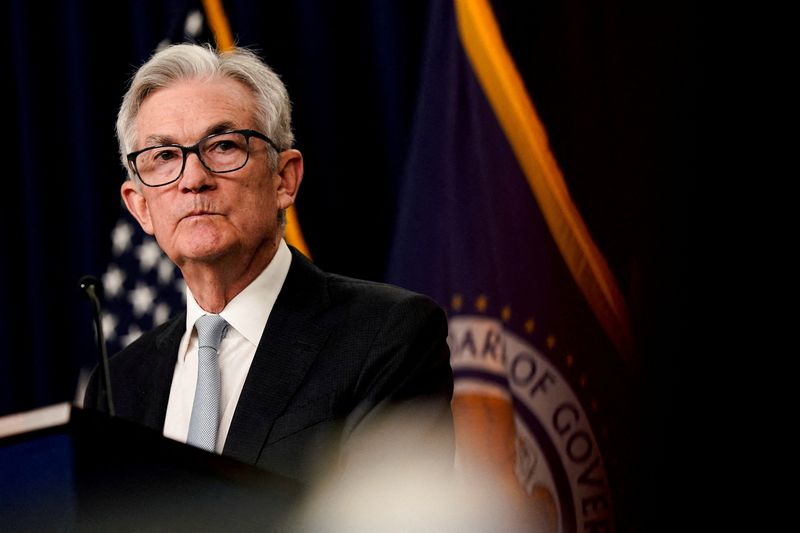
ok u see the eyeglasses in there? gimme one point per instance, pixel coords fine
(219, 153)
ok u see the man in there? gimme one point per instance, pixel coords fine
(302, 363)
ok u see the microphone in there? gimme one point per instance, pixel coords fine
(91, 286)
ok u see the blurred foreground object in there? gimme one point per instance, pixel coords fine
(394, 480)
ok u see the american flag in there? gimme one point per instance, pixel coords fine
(142, 287)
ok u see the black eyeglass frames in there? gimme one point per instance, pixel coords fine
(161, 165)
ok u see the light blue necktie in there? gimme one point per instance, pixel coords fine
(204, 424)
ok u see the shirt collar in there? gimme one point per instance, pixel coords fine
(249, 310)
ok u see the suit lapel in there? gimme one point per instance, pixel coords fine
(293, 337)
(157, 380)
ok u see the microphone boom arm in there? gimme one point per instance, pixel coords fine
(88, 285)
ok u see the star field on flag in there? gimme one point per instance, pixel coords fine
(142, 287)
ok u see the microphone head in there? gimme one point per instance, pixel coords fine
(91, 286)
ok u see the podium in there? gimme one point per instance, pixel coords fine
(96, 473)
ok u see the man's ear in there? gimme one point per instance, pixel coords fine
(290, 172)
(137, 205)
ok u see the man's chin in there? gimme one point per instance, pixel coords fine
(203, 251)
(208, 256)
(201, 241)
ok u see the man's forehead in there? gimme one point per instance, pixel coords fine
(187, 111)
(220, 127)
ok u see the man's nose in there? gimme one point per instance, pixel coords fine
(196, 177)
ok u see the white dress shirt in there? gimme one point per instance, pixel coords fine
(247, 316)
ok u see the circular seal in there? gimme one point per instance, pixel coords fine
(556, 450)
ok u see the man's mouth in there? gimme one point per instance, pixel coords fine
(198, 214)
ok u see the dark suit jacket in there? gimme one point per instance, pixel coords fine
(336, 354)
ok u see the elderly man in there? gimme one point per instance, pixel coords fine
(274, 362)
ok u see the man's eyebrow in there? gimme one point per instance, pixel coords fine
(221, 127)
(157, 140)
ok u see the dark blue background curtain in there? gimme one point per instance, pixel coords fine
(613, 83)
